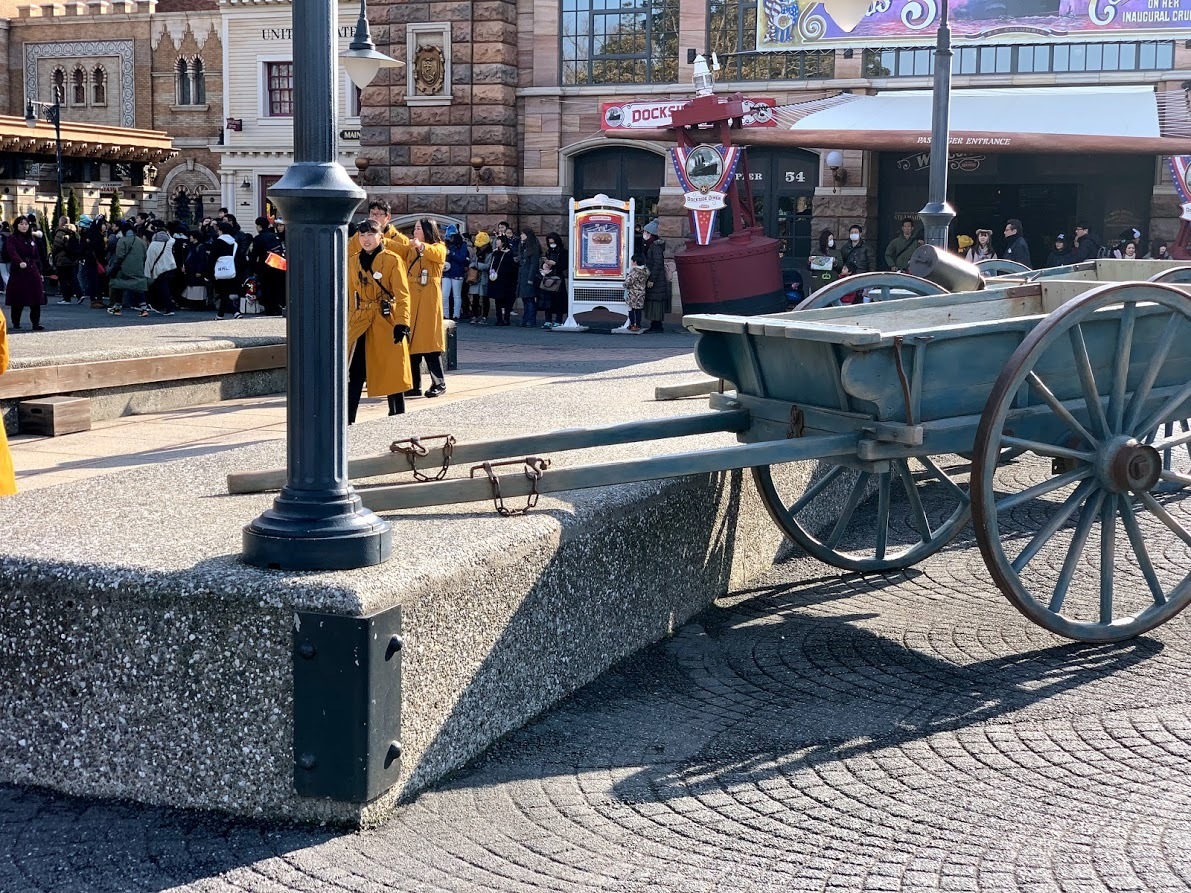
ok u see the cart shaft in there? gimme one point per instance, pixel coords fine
(733, 421)
(480, 488)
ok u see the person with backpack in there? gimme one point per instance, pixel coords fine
(227, 270)
(1087, 246)
(159, 273)
(65, 254)
(196, 287)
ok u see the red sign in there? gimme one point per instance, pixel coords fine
(655, 114)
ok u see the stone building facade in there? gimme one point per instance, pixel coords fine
(523, 130)
(258, 140)
(141, 65)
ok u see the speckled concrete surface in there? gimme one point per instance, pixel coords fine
(140, 659)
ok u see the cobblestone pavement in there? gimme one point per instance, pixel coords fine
(816, 731)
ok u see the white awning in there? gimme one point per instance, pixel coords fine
(1002, 119)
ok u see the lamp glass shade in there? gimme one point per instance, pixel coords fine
(30, 117)
(361, 69)
(846, 13)
(835, 158)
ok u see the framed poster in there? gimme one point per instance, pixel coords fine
(601, 240)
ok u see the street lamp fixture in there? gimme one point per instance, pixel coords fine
(937, 214)
(53, 113)
(361, 59)
(318, 521)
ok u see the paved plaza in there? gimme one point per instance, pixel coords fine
(905, 732)
(816, 730)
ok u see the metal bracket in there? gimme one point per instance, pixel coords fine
(347, 704)
(413, 449)
(797, 426)
(535, 467)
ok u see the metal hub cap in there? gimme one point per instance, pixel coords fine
(1132, 467)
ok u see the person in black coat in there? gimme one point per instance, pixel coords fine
(554, 303)
(657, 288)
(1062, 255)
(1015, 244)
(1087, 246)
(271, 280)
(226, 289)
(529, 263)
(503, 278)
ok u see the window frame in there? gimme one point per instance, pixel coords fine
(654, 54)
(99, 82)
(1067, 57)
(266, 101)
(742, 62)
(182, 82)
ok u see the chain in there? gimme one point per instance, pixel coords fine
(534, 468)
(414, 449)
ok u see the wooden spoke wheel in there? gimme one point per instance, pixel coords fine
(1174, 274)
(876, 286)
(1001, 267)
(918, 509)
(1091, 545)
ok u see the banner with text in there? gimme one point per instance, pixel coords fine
(791, 24)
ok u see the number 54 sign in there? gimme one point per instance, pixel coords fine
(795, 176)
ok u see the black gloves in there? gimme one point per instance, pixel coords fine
(400, 333)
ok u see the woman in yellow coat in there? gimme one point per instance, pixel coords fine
(8, 480)
(425, 257)
(377, 322)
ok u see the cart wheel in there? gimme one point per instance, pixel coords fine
(1001, 267)
(1174, 274)
(1104, 466)
(920, 508)
(880, 287)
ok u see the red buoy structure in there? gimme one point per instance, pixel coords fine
(739, 273)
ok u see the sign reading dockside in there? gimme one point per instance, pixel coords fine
(655, 114)
(704, 172)
(789, 24)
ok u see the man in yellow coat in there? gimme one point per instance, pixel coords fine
(382, 212)
(425, 256)
(8, 479)
(378, 317)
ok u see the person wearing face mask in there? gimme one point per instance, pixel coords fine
(826, 262)
(552, 294)
(378, 316)
(857, 255)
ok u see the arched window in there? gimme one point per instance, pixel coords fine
(183, 83)
(198, 83)
(78, 87)
(59, 85)
(99, 89)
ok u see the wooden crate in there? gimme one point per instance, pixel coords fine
(51, 416)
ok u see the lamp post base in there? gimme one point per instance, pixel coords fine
(300, 535)
(936, 220)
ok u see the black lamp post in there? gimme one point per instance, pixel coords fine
(318, 521)
(938, 214)
(53, 113)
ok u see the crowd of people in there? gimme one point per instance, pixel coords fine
(143, 265)
(830, 261)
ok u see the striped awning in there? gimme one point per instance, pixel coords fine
(1125, 119)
